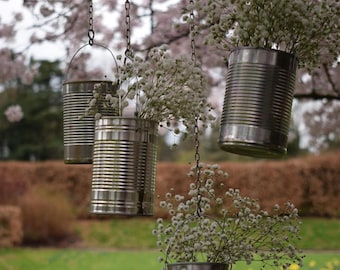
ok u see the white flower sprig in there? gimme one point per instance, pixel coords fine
(226, 229)
(163, 88)
(307, 28)
(104, 96)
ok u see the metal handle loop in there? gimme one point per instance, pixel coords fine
(88, 44)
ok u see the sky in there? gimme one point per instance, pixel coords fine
(43, 51)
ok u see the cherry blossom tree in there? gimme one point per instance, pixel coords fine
(153, 23)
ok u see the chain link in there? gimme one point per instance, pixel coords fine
(90, 32)
(192, 31)
(198, 167)
(196, 128)
(128, 29)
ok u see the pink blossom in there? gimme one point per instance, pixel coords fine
(14, 113)
(27, 76)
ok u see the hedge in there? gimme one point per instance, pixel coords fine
(312, 183)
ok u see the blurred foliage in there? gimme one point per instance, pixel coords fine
(38, 136)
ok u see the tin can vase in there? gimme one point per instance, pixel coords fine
(197, 266)
(124, 166)
(257, 104)
(79, 129)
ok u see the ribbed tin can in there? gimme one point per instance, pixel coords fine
(197, 266)
(79, 129)
(257, 104)
(124, 166)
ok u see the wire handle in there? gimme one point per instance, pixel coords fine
(88, 44)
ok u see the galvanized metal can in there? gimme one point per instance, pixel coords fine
(124, 166)
(79, 129)
(257, 104)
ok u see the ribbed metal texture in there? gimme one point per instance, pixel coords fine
(124, 166)
(197, 266)
(79, 130)
(257, 104)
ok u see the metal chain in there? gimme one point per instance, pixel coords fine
(192, 31)
(128, 30)
(90, 33)
(196, 128)
(198, 168)
(128, 51)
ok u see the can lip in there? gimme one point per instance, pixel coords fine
(122, 119)
(267, 56)
(253, 149)
(86, 81)
(263, 49)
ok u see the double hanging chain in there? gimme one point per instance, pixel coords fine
(128, 54)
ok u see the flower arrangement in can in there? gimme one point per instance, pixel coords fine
(307, 28)
(170, 90)
(228, 228)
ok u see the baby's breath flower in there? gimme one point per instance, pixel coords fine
(194, 233)
(178, 197)
(293, 26)
(219, 201)
(93, 102)
(162, 204)
(164, 88)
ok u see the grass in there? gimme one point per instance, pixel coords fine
(128, 233)
(54, 259)
(320, 234)
(127, 244)
(135, 233)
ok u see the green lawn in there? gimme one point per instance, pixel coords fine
(127, 244)
(65, 259)
(135, 233)
(318, 233)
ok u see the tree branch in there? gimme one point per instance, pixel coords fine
(316, 96)
(329, 78)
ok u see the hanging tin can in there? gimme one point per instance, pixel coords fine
(78, 128)
(257, 104)
(197, 266)
(124, 166)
